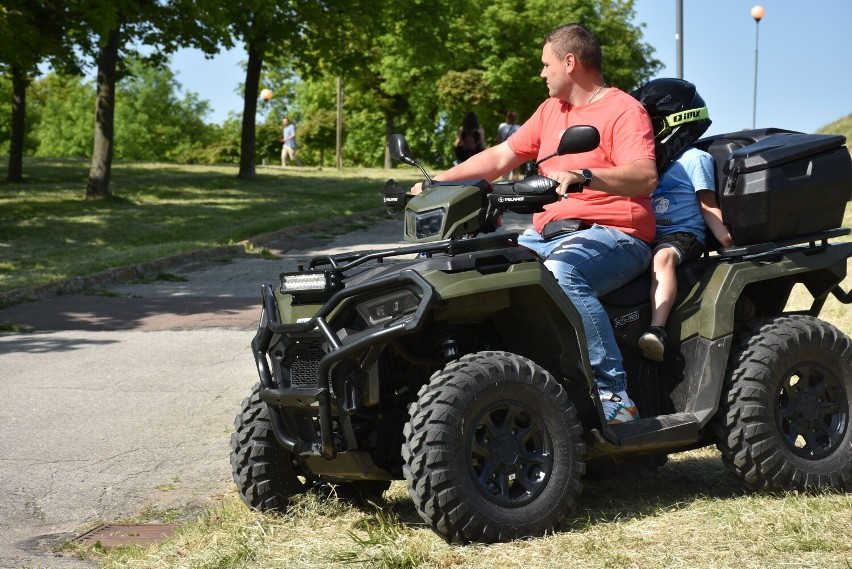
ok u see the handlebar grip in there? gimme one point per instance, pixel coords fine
(575, 188)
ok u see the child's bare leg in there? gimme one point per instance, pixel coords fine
(663, 285)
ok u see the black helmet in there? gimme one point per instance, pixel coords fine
(678, 114)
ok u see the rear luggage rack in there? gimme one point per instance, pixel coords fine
(773, 248)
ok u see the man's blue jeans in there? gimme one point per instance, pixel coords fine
(588, 264)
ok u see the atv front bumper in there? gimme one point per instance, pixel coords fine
(321, 398)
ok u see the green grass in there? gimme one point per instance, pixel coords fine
(691, 513)
(49, 232)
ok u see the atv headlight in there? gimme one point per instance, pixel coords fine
(426, 223)
(393, 306)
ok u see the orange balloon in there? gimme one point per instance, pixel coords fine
(266, 94)
(758, 12)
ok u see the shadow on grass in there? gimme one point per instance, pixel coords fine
(629, 495)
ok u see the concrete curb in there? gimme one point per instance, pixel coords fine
(150, 269)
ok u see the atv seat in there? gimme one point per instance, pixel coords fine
(638, 290)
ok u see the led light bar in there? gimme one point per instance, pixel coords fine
(309, 281)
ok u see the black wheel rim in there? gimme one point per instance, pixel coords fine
(511, 453)
(812, 411)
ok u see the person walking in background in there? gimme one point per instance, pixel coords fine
(684, 202)
(470, 138)
(288, 149)
(504, 131)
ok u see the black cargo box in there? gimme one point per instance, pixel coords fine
(773, 184)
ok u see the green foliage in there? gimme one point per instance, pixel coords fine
(268, 137)
(420, 76)
(319, 133)
(30, 32)
(60, 116)
(5, 115)
(152, 123)
(463, 91)
(226, 146)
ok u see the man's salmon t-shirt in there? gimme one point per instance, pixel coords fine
(626, 136)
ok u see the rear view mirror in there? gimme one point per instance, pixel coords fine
(398, 147)
(578, 138)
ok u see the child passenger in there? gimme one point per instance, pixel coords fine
(684, 201)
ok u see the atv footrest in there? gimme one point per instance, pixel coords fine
(663, 432)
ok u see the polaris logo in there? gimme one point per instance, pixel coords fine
(394, 199)
(501, 200)
(626, 319)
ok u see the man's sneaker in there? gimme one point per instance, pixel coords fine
(653, 343)
(618, 408)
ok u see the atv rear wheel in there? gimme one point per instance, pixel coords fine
(786, 407)
(493, 450)
(266, 474)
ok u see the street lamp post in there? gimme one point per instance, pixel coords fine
(679, 36)
(757, 13)
(265, 94)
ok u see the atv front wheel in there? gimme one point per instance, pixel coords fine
(493, 450)
(265, 473)
(786, 407)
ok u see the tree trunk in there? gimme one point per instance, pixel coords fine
(250, 91)
(15, 174)
(99, 174)
(388, 133)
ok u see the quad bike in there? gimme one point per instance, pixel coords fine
(459, 364)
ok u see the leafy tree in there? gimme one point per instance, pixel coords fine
(316, 114)
(420, 75)
(506, 51)
(61, 116)
(30, 31)
(319, 132)
(390, 53)
(152, 123)
(106, 33)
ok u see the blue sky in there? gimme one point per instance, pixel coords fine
(804, 61)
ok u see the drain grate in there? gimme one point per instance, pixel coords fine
(111, 535)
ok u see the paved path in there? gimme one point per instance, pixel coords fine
(114, 406)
